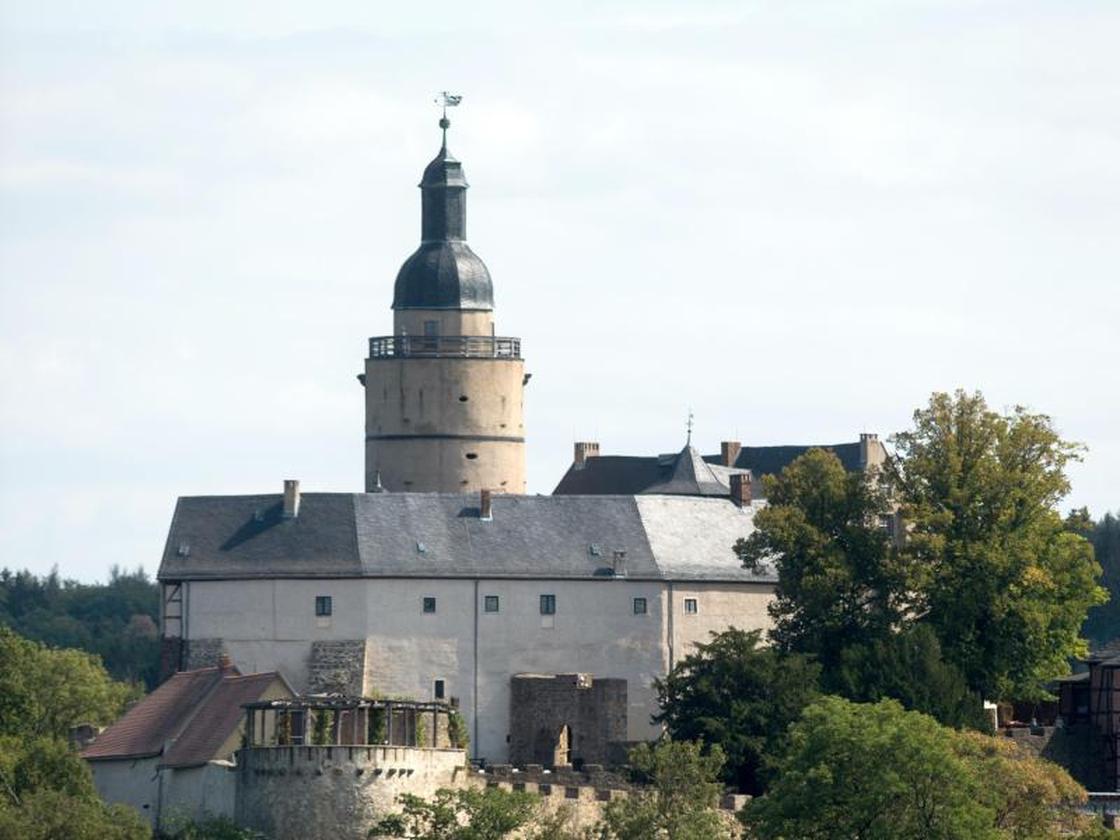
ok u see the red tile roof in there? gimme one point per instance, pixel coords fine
(216, 720)
(186, 719)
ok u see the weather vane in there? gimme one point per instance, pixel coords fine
(689, 427)
(447, 100)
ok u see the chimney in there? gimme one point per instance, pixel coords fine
(485, 505)
(729, 452)
(618, 562)
(741, 489)
(291, 498)
(224, 662)
(585, 450)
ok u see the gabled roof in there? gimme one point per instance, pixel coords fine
(186, 719)
(426, 535)
(634, 474)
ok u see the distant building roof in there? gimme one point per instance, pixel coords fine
(635, 474)
(442, 535)
(186, 719)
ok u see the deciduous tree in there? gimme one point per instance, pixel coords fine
(738, 695)
(1008, 587)
(841, 579)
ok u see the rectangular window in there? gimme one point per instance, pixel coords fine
(639, 606)
(322, 605)
(490, 603)
(690, 606)
(438, 690)
(548, 605)
(429, 604)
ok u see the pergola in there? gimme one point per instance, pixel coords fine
(337, 720)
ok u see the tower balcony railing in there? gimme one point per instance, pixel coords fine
(444, 347)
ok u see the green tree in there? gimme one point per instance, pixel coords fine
(841, 578)
(873, 772)
(737, 695)
(115, 620)
(489, 814)
(878, 772)
(1008, 587)
(1103, 623)
(46, 790)
(52, 815)
(907, 666)
(679, 803)
(45, 692)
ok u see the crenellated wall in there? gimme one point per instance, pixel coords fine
(306, 792)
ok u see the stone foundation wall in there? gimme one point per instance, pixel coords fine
(337, 667)
(202, 653)
(304, 793)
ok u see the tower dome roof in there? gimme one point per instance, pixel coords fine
(443, 273)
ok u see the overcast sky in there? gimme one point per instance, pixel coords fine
(797, 219)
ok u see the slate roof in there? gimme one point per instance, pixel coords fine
(629, 474)
(186, 719)
(443, 275)
(690, 476)
(428, 535)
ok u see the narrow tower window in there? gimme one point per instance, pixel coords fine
(323, 605)
(548, 605)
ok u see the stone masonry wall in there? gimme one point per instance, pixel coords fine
(202, 653)
(594, 710)
(307, 793)
(337, 667)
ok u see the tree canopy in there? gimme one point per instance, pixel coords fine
(1007, 586)
(878, 772)
(1103, 623)
(735, 694)
(841, 578)
(679, 803)
(118, 620)
(46, 790)
(987, 562)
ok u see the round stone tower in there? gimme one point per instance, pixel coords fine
(444, 394)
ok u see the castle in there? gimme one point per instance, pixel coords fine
(444, 580)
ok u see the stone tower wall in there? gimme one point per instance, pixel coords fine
(594, 710)
(304, 792)
(449, 425)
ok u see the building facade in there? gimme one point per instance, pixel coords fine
(447, 597)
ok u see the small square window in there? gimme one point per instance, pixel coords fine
(548, 605)
(439, 689)
(639, 606)
(429, 604)
(323, 605)
(690, 606)
(490, 603)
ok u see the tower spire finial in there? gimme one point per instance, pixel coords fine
(688, 425)
(447, 100)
